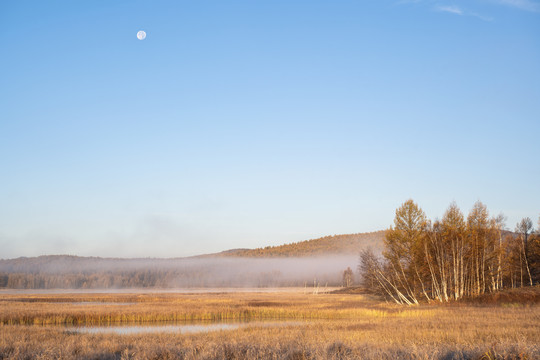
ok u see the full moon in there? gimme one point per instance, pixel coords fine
(141, 35)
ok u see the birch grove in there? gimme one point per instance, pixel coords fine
(451, 258)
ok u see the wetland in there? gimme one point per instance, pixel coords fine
(274, 324)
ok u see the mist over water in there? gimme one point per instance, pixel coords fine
(50, 272)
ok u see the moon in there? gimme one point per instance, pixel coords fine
(141, 35)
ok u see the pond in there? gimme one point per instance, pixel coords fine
(179, 328)
(97, 303)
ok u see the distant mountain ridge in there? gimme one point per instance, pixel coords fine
(346, 244)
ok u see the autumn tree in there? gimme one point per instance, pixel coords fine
(376, 277)
(445, 253)
(348, 277)
(498, 226)
(534, 254)
(454, 232)
(513, 262)
(482, 259)
(368, 265)
(404, 243)
(524, 229)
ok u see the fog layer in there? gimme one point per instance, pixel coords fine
(49, 272)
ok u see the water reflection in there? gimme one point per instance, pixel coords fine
(183, 328)
(99, 303)
(137, 329)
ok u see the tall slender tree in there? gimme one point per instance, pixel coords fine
(524, 229)
(454, 233)
(404, 249)
(499, 225)
(481, 247)
(348, 277)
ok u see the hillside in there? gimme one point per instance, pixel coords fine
(349, 244)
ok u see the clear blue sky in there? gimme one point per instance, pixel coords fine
(254, 123)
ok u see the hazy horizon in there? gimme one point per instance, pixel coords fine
(65, 272)
(250, 124)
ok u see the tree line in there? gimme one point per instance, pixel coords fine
(71, 272)
(451, 258)
(151, 278)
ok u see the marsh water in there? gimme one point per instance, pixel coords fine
(72, 298)
(175, 327)
(98, 303)
(189, 290)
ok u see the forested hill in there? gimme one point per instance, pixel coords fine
(349, 244)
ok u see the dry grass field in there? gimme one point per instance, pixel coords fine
(323, 326)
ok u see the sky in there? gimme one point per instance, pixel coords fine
(242, 124)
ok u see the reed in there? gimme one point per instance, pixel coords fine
(75, 309)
